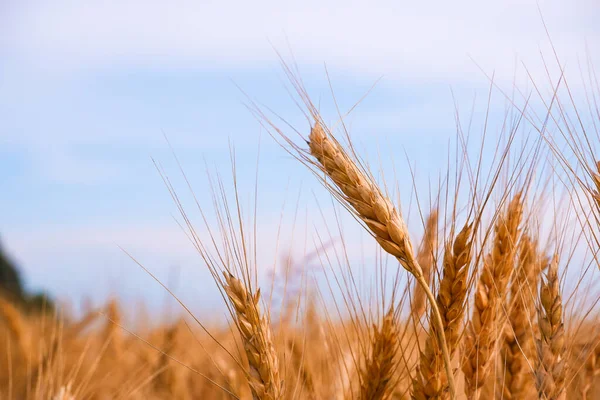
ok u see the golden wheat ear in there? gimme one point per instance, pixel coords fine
(357, 191)
(552, 363)
(255, 331)
(376, 376)
(518, 350)
(481, 334)
(431, 381)
(426, 259)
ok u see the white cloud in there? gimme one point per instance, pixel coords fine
(405, 41)
(399, 39)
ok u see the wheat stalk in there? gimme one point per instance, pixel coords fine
(376, 376)
(378, 213)
(430, 381)
(551, 366)
(425, 258)
(255, 331)
(480, 338)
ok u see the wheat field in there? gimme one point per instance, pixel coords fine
(496, 299)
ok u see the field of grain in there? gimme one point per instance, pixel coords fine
(501, 299)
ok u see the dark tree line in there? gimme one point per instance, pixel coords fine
(12, 288)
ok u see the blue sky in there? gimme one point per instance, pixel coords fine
(88, 88)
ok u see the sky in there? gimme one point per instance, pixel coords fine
(89, 90)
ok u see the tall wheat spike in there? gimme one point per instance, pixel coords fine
(431, 381)
(376, 376)
(518, 352)
(552, 362)
(363, 196)
(255, 331)
(481, 334)
(426, 259)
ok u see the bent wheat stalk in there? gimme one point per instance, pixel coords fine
(379, 215)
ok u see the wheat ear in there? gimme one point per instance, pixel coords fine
(376, 376)
(480, 338)
(431, 381)
(551, 367)
(256, 337)
(519, 345)
(378, 213)
(425, 258)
